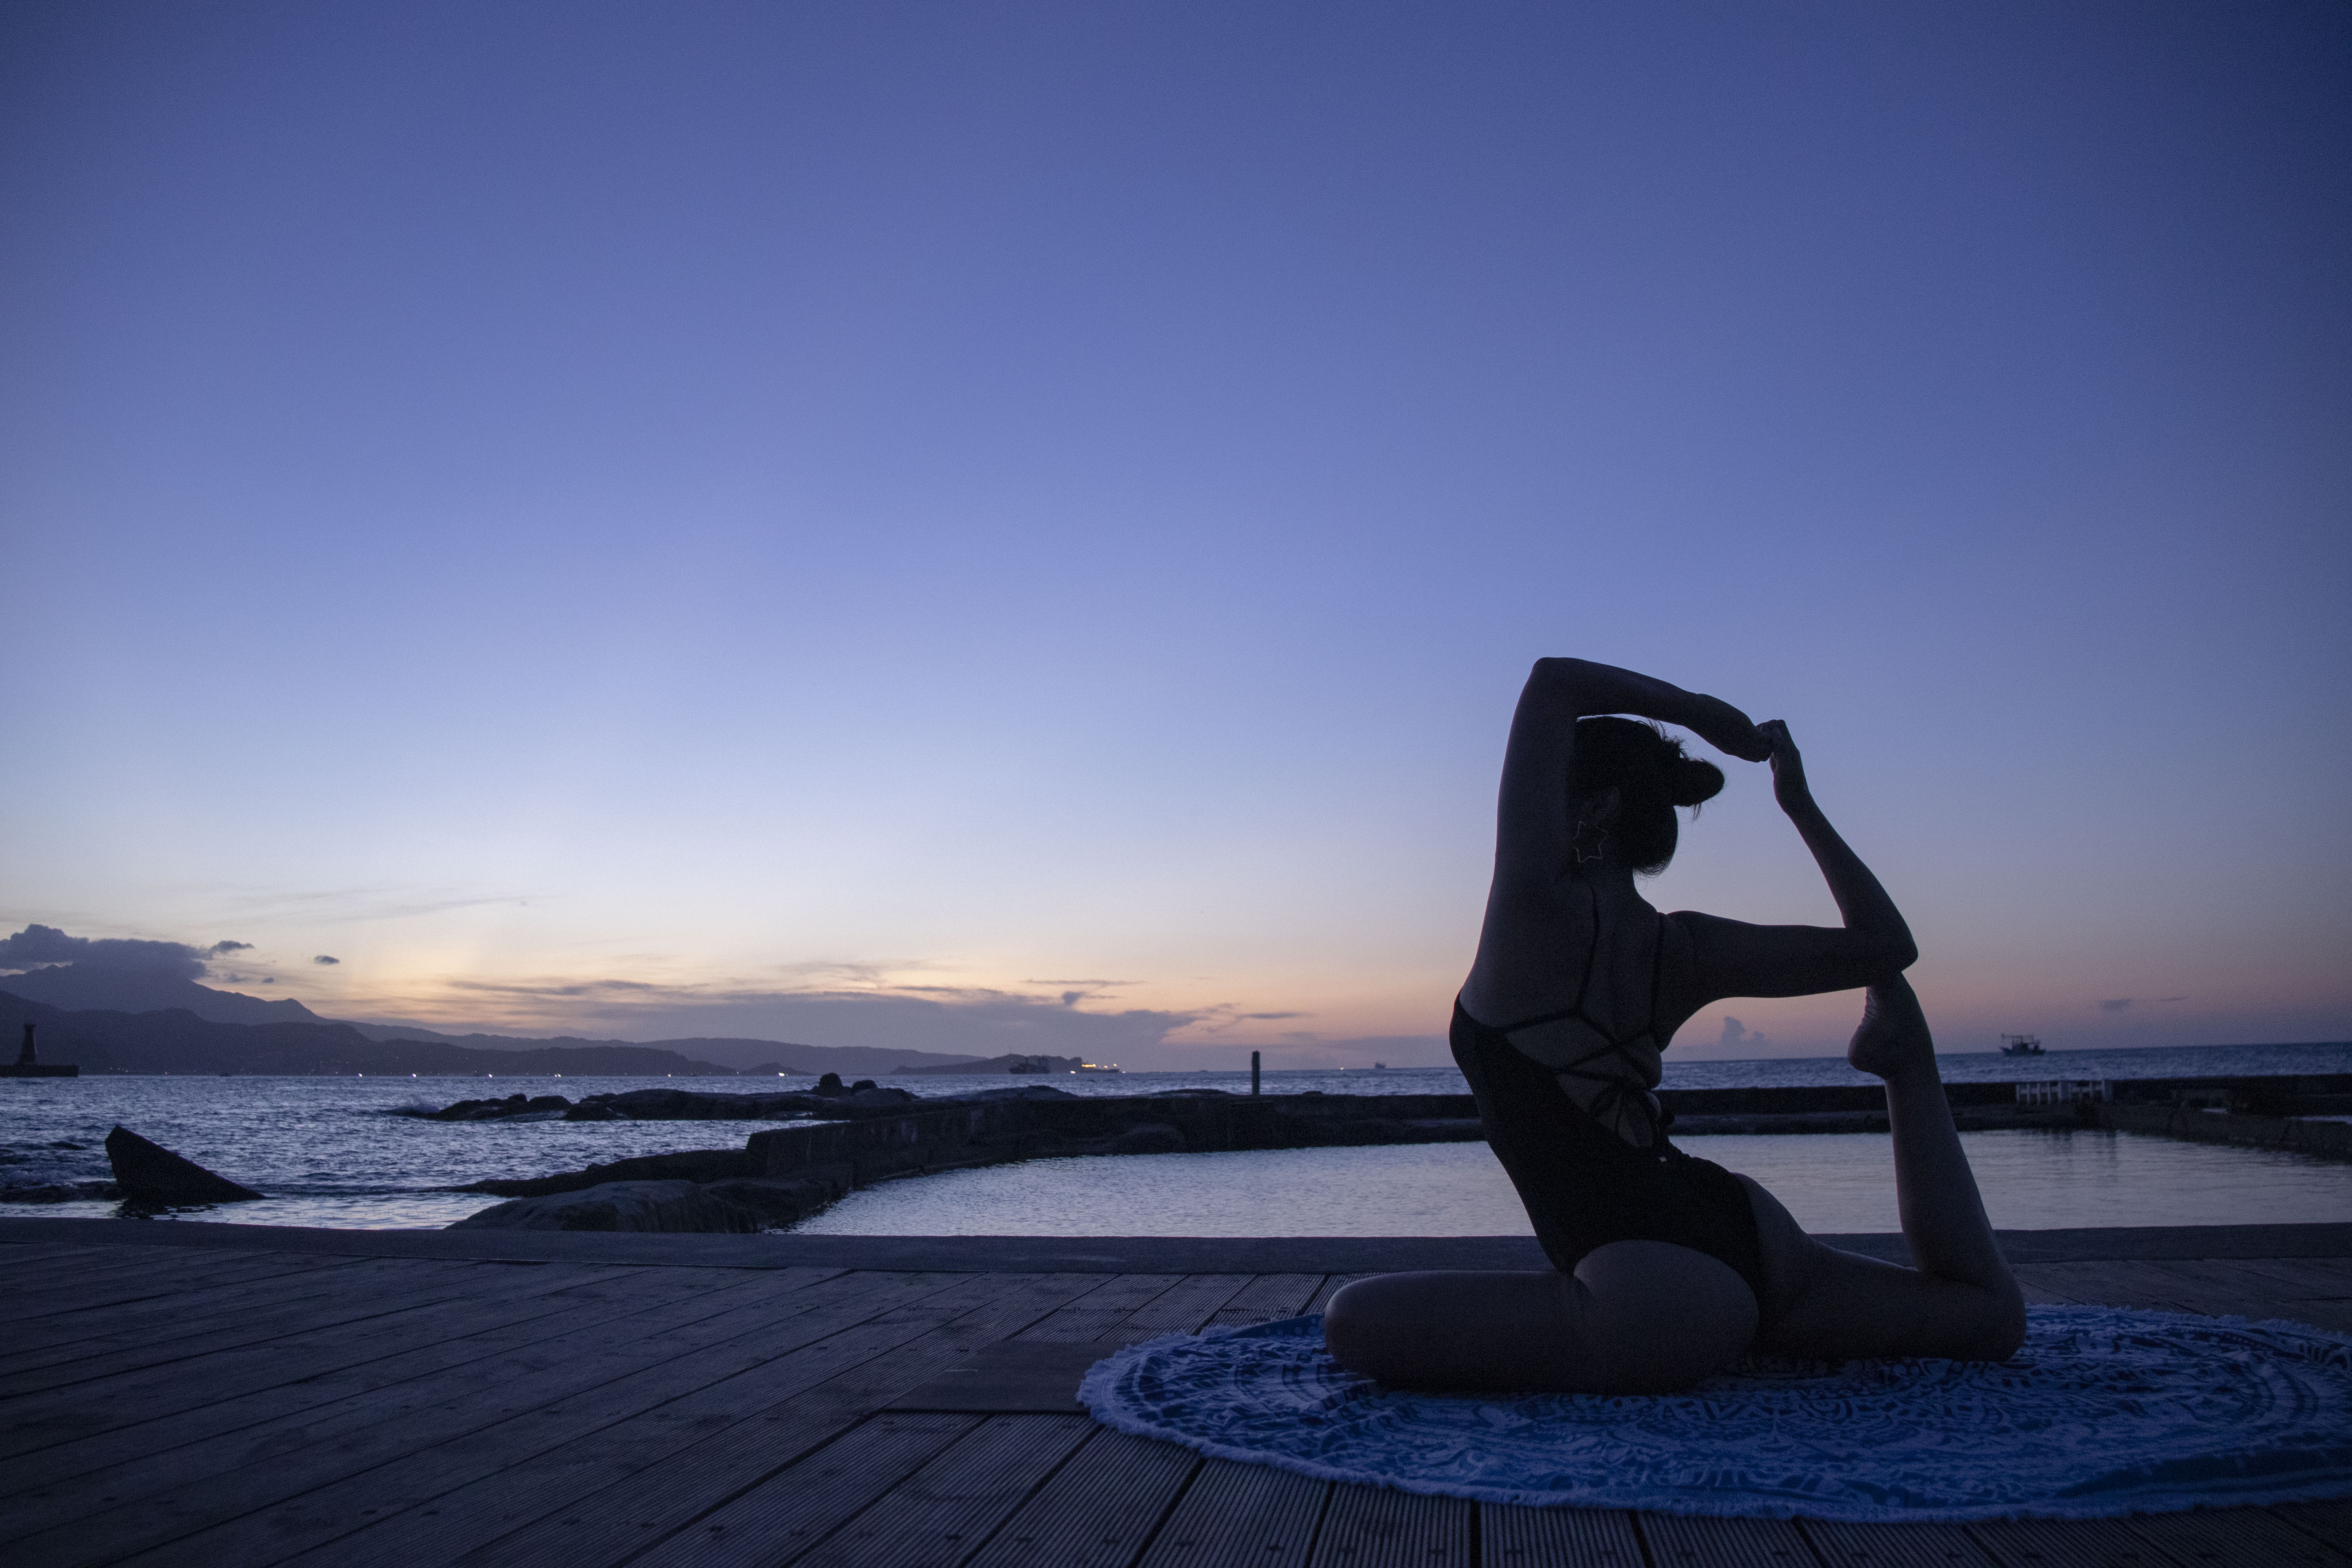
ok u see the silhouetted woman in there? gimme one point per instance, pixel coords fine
(1666, 1267)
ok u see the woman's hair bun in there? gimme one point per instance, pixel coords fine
(1690, 780)
(1650, 774)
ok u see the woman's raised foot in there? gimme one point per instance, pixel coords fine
(1894, 1037)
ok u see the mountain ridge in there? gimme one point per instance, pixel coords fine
(89, 988)
(175, 1040)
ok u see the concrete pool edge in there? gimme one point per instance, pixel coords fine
(1096, 1254)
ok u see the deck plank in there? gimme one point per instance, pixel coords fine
(2297, 1276)
(203, 1372)
(2326, 1271)
(633, 1482)
(1266, 1298)
(18, 1254)
(1842, 1545)
(936, 1517)
(2116, 1282)
(108, 1408)
(2068, 1543)
(276, 1490)
(2041, 1292)
(45, 1285)
(1511, 1537)
(181, 1274)
(370, 1288)
(1374, 1527)
(1100, 1509)
(1106, 1312)
(1332, 1285)
(2279, 1281)
(98, 1259)
(1188, 1305)
(1241, 1516)
(2198, 1290)
(219, 1317)
(2335, 1316)
(807, 1501)
(66, 1335)
(103, 1261)
(1682, 1541)
(2233, 1538)
(338, 1374)
(2329, 1523)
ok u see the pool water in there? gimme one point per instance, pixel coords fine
(2030, 1179)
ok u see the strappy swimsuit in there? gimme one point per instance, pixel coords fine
(1583, 1186)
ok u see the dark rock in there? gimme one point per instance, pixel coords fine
(676, 1207)
(829, 1084)
(59, 1192)
(778, 1202)
(686, 1165)
(149, 1173)
(1027, 1091)
(1146, 1138)
(593, 1113)
(861, 1085)
(685, 1105)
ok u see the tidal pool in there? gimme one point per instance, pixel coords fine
(2032, 1180)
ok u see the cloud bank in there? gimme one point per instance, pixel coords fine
(969, 1020)
(40, 946)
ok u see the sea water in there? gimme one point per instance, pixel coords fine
(333, 1151)
(1832, 1181)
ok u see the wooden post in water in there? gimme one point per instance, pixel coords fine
(1253, 1072)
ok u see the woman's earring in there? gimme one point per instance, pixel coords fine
(1588, 841)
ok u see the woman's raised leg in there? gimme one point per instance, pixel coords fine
(1960, 1300)
(1636, 1317)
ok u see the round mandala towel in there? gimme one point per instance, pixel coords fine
(2105, 1411)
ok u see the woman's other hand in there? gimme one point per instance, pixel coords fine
(1788, 787)
(1727, 730)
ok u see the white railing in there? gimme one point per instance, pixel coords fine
(2063, 1091)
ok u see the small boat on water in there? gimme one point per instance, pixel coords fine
(2021, 1046)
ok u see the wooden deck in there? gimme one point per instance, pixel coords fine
(218, 1395)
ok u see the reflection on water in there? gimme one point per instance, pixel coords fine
(2032, 1180)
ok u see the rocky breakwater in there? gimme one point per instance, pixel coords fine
(783, 1173)
(826, 1100)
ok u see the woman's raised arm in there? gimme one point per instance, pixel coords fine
(1532, 830)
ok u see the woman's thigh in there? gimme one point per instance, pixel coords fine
(1636, 1317)
(1826, 1305)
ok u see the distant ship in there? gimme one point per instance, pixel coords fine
(1097, 1067)
(2020, 1044)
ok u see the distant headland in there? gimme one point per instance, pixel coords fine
(288, 1039)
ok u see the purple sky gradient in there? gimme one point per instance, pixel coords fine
(605, 516)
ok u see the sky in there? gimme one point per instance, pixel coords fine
(932, 525)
